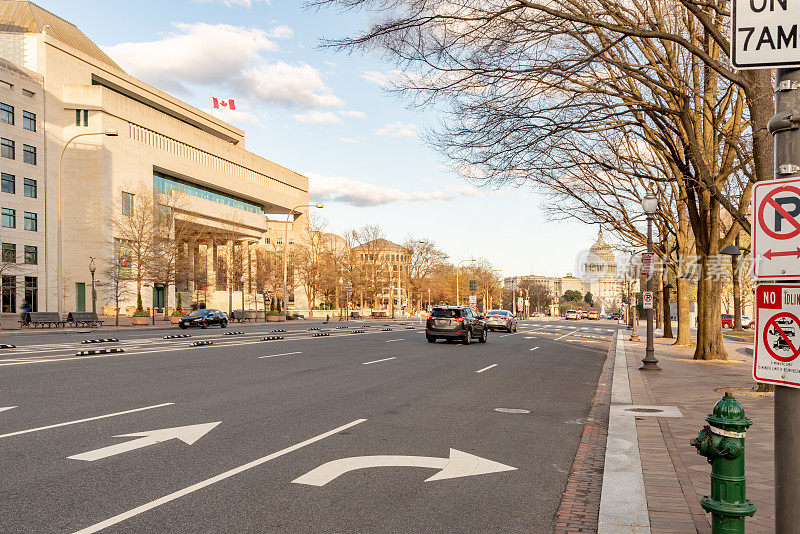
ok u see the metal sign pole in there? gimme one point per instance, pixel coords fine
(785, 126)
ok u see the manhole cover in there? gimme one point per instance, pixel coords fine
(512, 410)
(644, 410)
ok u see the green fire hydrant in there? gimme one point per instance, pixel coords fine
(722, 442)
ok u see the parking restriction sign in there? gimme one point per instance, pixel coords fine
(647, 300)
(777, 350)
(776, 218)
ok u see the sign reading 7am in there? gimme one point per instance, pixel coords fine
(776, 227)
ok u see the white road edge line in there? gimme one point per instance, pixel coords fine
(534, 348)
(276, 355)
(213, 480)
(378, 361)
(487, 368)
(17, 433)
(566, 335)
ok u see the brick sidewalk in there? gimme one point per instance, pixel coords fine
(675, 475)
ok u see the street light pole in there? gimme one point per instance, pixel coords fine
(59, 280)
(650, 363)
(458, 266)
(92, 269)
(286, 250)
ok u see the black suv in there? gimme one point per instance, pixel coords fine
(455, 322)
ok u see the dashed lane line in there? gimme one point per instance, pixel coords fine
(393, 340)
(276, 355)
(378, 361)
(534, 348)
(486, 368)
(568, 334)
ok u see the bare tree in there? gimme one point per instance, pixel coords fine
(115, 275)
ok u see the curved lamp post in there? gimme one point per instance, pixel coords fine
(649, 363)
(110, 133)
(286, 248)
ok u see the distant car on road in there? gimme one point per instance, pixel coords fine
(496, 319)
(455, 322)
(572, 315)
(204, 319)
(748, 323)
(728, 322)
(593, 315)
(379, 315)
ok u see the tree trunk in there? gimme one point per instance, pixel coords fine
(710, 344)
(665, 308)
(737, 292)
(684, 307)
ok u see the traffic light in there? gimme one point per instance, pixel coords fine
(473, 285)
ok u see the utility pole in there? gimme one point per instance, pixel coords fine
(785, 127)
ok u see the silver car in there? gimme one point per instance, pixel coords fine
(500, 319)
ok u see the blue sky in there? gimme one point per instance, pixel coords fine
(326, 114)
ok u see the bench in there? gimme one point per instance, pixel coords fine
(83, 319)
(240, 316)
(36, 319)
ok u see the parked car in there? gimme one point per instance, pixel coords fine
(204, 319)
(379, 315)
(593, 314)
(748, 323)
(455, 322)
(355, 315)
(496, 319)
(572, 314)
(728, 322)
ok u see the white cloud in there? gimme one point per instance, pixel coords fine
(348, 140)
(234, 117)
(398, 129)
(383, 78)
(317, 117)
(225, 57)
(353, 113)
(364, 194)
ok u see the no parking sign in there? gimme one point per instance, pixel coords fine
(776, 227)
(777, 350)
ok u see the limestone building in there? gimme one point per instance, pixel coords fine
(166, 153)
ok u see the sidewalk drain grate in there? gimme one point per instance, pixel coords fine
(644, 410)
(512, 410)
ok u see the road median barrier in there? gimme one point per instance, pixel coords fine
(321, 334)
(98, 351)
(202, 343)
(272, 338)
(103, 340)
(177, 336)
(4, 346)
(233, 333)
(278, 331)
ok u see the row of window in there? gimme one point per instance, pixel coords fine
(7, 116)
(10, 254)
(9, 219)
(8, 294)
(8, 150)
(10, 86)
(81, 114)
(8, 184)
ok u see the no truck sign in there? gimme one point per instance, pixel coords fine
(776, 229)
(765, 33)
(777, 351)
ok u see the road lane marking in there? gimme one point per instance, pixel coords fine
(4, 408)
(511, 334)
(17, 433)
(378, 361)
(566, 335)
(213, 480)
(393, 340)
(534, 348)
(282, 354)
(487, 368)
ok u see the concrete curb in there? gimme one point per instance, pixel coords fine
(623, 504)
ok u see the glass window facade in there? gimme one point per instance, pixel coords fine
(6, 113)
(9, 218)
(7, 183)
(6, 148)
(127, 204)
(9, 292)
(32, 293)
(81, 115)
(31, 255)
(31, 224)
(29, 154)
(29, 121)
(30, 188)
(9, 253)
(166, 184)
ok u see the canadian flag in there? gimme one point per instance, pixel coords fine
(227, 104)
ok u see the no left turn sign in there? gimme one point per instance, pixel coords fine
(776, 246)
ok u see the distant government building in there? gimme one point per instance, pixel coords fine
(55, 84)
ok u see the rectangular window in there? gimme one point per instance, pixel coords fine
(77, 117)
(31, 293)
(163, 215)
(81, 114)
(6, 148)
(7, 183)
(29, 94)
(31, 223)
(9, 253)
(86, 117)
(29, 154)
(30, 188)
(9, 218)
(31, 255)
(29, 121)
(6, 113)
(5, 85)
(9, 292)
(127, 204)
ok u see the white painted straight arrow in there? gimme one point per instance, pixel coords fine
(187, 434)
(460, 464)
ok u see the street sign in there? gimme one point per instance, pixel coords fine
(765, 34)
(777, 334)
(520, 300)
(647, 300)
(458, 465)
(776, 218)
(473, 301)
(648, 258)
